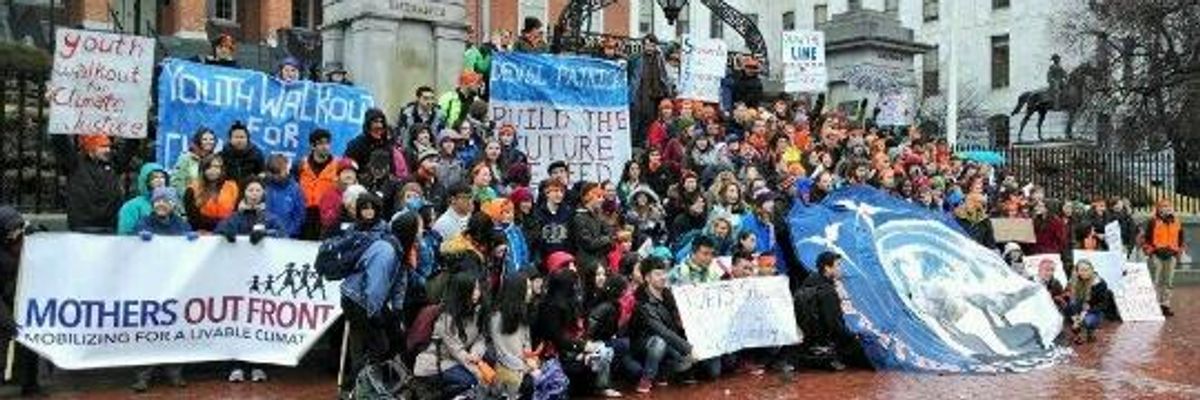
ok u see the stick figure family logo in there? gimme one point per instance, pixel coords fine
(294, 282)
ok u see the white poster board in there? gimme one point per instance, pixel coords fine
(1033, 264)
(804, 67)
(1138, 301)
(1112, 237)
(702, 68)
(100, 83)
(896, 109)
(727, 316)
(170, 300)
(1109, 265)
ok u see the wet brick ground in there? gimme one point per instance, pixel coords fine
(1129, 361)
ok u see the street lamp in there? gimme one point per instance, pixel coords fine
(671, 9)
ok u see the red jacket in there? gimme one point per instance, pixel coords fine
(657, 135)
(1052, 237)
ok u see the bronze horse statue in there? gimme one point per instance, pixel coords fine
(1072, 100)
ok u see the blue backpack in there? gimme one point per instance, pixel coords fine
(338, 256)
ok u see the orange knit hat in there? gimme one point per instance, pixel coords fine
(90, 143)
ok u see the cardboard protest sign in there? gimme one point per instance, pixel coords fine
(702, 69)
(1018, 230)
(280, 115)
(1033, 264)
(1138, 300)
(804, 62)
(565, 108)
(171, 301)
(100, 83)
(727, 316)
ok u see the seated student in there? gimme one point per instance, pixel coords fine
(558, 327)
(1045, 277)
(457, 351)
(655, 330)
(1091, 302)
(152, 176)
(819, 312)
(698, 267)
(604, 324)
(163, 220)
(508, 327)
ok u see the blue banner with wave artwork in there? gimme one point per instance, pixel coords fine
(280, 115)
(920, 294)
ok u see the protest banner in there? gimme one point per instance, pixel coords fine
(804, 62)
(279, 115)
(727, 316)
(1034, 262)
(895, 109)
(100, 83)
(1138, 301)
(702, 69)
(1109, 265)
(1018, 230)
(565, 108)
(1112, 237)
(170, 300)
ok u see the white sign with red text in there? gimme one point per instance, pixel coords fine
(115, 301)
(703, 69)
(100, 83)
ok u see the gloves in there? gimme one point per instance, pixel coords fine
(257, 235)
(145, 235)
(192, 236)
(230, 237)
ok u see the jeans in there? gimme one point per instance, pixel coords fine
(623, 353)
(1091, 318)
(657, 352)
(369, 342)
(1164, 277)
(458, 379)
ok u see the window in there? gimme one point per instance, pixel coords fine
(716, 27)
(929, 73)
(789, 21)
(531, 8)
(996, 4)
(302, 14)
(646, 17)
(820, 14)
(223, 9)
(596, 22)
(999, 61)
(891, 6)
(930, 10)
(683, 25)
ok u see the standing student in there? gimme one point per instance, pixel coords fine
(12, 240)
(284, 198)
(187, 168)
(211, 197)
(1164, 245)
(317, 174)
(93, 190)
(152, 176)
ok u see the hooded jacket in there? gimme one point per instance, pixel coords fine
(591, 238)
(361, 147)
(93, 196)
(135, 209)
(286, 202)
(552, 228)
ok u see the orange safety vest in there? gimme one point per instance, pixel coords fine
(1166, 235)
(315, 184)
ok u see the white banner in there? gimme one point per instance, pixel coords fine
(804, 62)
(703, 67)
(1138, 301)
(113, 301)
(727, 316)
(100, 83)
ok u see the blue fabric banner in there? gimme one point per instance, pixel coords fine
(920, 294)
(279, 115)
(565, 108)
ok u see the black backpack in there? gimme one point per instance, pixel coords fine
(338, 256)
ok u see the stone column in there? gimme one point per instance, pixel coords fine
(450, 45)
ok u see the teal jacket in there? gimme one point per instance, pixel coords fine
(140, 206)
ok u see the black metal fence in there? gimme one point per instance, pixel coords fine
(1081, 173)
(30, 177)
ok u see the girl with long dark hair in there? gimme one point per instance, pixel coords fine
(459, 345)
(559, 327)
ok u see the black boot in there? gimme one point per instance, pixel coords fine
(1166, 311)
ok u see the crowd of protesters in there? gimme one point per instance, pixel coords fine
(527, 286)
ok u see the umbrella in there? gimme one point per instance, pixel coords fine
(983, 156)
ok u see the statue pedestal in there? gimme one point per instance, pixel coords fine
(392, 47)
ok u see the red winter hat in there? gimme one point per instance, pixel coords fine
(558, 261)
(347, 163)
(521, 194)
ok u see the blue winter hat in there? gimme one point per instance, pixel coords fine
(803, 186)
(164, 193)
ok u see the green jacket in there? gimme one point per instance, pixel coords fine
(452, 104)
(477, 60)
(140, 206)
(187, 169)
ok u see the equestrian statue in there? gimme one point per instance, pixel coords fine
(1066, 92)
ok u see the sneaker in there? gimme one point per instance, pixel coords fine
(837, 365)
(140, 386)
(258, 375)
(1166, 311)
(644, 386)
(237, 375)
(610, 393)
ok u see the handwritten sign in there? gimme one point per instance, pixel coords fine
(895, 109)
(1109, 265)
(804, 62)
(565, 108)
(1034, 263)
(702, 68)
(1018, 230)
(727, 316)
(1112, 237)
(1138, 301)
(100, 83)
(279, 115)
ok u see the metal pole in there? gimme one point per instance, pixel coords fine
(952, 78)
